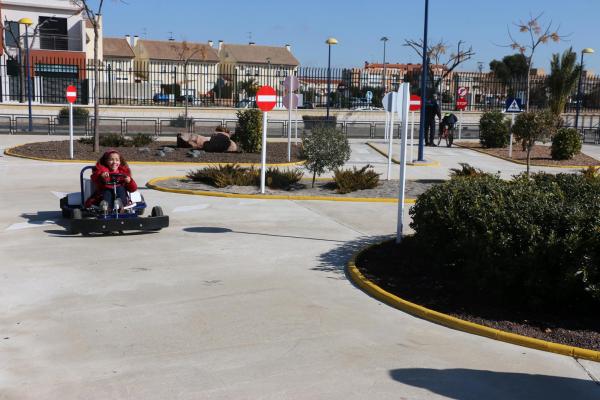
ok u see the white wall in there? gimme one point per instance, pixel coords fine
(33, 9)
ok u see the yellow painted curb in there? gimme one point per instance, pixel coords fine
(153, 184)
(11, 152)
(533, 164)
(455, 323)
(395, 161)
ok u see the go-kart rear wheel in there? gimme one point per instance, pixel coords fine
(157, 211)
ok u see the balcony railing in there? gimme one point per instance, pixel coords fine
(59, 42)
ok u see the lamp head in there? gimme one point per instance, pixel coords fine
(26, 21)
(587, 50)
(384, 39)
(331, 41)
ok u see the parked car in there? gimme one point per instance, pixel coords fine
(246, 103)
(160, 98)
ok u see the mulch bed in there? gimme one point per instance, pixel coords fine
(394, 271)
(385, 189)
(59, 150)
(540, 155)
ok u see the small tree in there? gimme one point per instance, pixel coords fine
(564, 72)
(248, 132)
(565, 144)
(531, 127)
(536, 34)
(326, 149)
(185, 54)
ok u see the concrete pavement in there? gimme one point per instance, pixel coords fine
(237, 299)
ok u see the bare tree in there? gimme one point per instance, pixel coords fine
(22, 51)
(93, 16)
(437, 54)
(186, 53)
(535, 35)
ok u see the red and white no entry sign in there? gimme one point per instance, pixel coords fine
(462, 91)
(266, 98)
(71, 94)
(415, 103)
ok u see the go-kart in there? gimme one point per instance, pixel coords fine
(104, 219)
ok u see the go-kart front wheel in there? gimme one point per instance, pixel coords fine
(157, 211)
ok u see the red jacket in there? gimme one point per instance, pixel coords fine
(101, 185)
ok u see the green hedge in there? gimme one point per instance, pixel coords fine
(494, 130)
(527, 243)
(565, 144)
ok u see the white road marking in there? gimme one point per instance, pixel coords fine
(30, 224)
(190, 208)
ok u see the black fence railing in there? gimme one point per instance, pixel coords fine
(222, 85)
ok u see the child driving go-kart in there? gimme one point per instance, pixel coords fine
(112, 180)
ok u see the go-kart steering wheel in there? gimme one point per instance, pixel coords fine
(116, 179)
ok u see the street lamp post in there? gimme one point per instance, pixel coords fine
(330, 41)
(384, 40)
(587, 50)
(424, 66)
(27, 22)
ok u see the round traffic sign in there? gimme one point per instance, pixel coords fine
(294, 101)
(462, 91)
(291, 83)
(266, 98)
(71, 94)
(461, 103)
(415, 103)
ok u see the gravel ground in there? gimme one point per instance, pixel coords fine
(540, 155)
(59, 150)
(386, 189)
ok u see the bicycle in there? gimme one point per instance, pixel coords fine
(447, 133)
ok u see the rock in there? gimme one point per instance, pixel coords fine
(144, 150)
(195, 153)
(167, 149)
(160, 153)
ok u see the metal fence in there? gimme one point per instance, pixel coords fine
(589, 126)
(223, 85)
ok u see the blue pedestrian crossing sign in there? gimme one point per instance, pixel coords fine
(513, 105)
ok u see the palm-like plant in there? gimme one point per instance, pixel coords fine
(564, 72)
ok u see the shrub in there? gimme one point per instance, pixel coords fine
(248, 132)
(326, 149)
(565, 144)
(277, 179)
(466, 170)
(531, 127)
(86, 140)
(350, 180)
(141, 139)
(114, 140)
(494, 130)
(80, 116)
(530, 243)
(226, 175)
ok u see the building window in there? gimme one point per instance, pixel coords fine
(11, 34)
(53, 33)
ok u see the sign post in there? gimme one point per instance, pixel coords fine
(266, 97)
(513, 106)
(290, 101)
(404, 94)
(71, 98)
(461, 104)
(415, 105)
(393, 100)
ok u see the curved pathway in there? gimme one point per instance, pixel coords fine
(237, 299)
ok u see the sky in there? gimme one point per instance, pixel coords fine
(359, 25)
